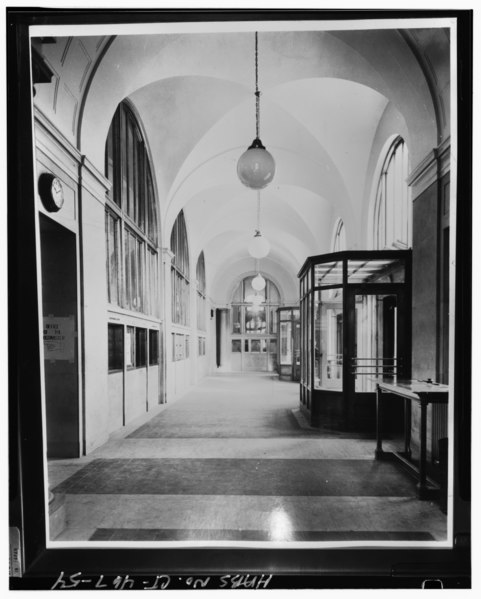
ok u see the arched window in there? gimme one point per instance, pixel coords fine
(180, 276)
(131, 221)
(393, 209)
(339, 240)
(260, 317)
(201, 300)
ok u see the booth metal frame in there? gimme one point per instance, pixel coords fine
(348, 409)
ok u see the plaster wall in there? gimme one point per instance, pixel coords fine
(95, 331)
(135, 393)
(424, 284)
(153, 389)
(116, 400)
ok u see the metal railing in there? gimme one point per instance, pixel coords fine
(377, 367)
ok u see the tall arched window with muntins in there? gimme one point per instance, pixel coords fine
(201, 292)
(131, 218)
(180, 274)
(393, 208)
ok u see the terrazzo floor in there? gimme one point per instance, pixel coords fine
(233, 460)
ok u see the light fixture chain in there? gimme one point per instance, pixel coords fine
(257, 92)
(258, 210)
(256, 167)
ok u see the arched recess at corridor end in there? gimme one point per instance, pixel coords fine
(247, 331)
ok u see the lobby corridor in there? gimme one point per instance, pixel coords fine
(233, 460)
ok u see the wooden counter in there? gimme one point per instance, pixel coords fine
(424, 393)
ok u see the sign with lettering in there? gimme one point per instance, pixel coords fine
(59, 338)
(160, 582)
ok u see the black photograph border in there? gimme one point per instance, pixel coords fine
(290, 568)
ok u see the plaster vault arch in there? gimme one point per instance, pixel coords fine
(230, 275)
(324, 95)
(132, 62)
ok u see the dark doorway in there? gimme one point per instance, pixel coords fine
(59, 307)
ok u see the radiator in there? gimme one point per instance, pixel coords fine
(439, 419)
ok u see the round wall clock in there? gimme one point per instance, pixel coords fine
(50, 190)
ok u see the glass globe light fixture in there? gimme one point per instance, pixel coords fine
(258, 282)
(256, 166)
(258, 246)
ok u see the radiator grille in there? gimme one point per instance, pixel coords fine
(439, 427)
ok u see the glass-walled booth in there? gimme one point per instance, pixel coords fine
(289, 339)
(355, 311)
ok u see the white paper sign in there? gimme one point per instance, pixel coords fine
(59, 338)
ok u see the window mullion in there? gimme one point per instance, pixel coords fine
(127, 225)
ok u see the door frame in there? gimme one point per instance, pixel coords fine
(404, 333)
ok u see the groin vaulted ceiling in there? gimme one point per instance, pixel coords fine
(329, 100)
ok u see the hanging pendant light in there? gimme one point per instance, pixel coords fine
(258, 282)
(258, 246)
(256, 166)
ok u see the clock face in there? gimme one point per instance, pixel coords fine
(57, 192)
(51, 192)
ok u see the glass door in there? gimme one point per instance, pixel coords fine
(379, 333)
(375, 340)
(328, 339)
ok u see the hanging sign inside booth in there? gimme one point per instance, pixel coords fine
(59, 338)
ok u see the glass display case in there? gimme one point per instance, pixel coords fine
(289, 337)
(355, 316)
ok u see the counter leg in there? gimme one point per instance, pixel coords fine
(378, 454)
(407, 428)
(422, 488)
